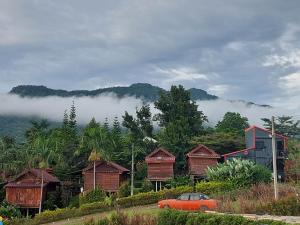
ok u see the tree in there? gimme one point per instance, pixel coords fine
(180, 120)
(220, 142)
(284, 125)
(94, 157)
(232, 122)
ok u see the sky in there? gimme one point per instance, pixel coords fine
(235, 49)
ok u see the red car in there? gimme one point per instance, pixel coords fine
(189, 201)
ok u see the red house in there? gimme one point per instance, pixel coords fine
(109, 176)
(25, 190)
(160, 166)
(200, 158)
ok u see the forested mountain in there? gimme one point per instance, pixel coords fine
(145, 91)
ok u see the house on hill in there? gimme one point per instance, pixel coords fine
(109, 176)
(199, 159)
(259, 149)
(25, 190)
(160, 166)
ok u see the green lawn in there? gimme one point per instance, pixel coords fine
(151, 209)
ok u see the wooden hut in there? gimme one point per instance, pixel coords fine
(200, 158)
(109, 176)
(160, 166)
(25, 190)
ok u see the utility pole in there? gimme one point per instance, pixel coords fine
(41, 198)
(132, 169)
(274, 159)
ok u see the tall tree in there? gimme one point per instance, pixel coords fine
(232, 122)
(284, 125)
(180, 119)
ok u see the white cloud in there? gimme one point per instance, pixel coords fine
(290, 82)
(219, 89)
(108, 106)
(181, 74)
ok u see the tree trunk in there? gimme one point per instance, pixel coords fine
(94, 175)
(41, 198)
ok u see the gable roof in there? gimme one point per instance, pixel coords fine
(47, 178)
(116, 166)
(264, 130)
(151, 157)
(201, 151)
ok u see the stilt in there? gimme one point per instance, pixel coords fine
(156, 185)
(27, 213)
(159, 185)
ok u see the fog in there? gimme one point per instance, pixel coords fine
(109, 106)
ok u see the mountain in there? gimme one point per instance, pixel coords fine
(145, 91)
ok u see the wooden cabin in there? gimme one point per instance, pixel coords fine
(25, 190)
(160, 166)
(109, 176)
(200, 158)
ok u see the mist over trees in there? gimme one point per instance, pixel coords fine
(68, 148)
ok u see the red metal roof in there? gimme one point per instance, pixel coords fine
(121, 169)
(151, 158)
(265, 130)
(201, 151)
(47, 178)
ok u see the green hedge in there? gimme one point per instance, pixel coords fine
(288, 206)
(173, 217)
(152, 197)
(135, 200)
(214, 187)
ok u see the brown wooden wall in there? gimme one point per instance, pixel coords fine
(198, 166)
(24, 197)
(161, 171)
(109, 182)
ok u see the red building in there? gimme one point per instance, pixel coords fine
(200, 158)
(160, 166)
(109, 176)
(25, 190)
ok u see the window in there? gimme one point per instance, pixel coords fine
(184, 197)
(280, 145)
(194, 197)
(260, 145)
(204, 197)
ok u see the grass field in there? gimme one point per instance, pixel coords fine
(150, 209)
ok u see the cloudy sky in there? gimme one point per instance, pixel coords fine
(235, 49)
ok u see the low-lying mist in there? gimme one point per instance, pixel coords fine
(109, 106)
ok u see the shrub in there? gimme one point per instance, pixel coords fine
(124, 190)
(147, 186)
(96, 195)
(9, 211)
(152, 197)
(288, 206)
(239, 172)
(178, 181)
(74, 202)
(214, 187)
(172, 217)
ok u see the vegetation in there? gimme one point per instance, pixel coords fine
(239, 172)
(233, 123)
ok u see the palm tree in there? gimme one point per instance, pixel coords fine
(42, 166)
(94, 157)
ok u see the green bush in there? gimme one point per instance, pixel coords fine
(152, 197)
(173, 217)
(147, 186)
(96, 195)
(9, 211)
(124, 190)
(214, 187)
(239, 172)
(74, 202)
(179, 181)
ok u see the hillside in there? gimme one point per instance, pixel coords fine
(145, 91)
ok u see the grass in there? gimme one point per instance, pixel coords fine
(145, 210)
